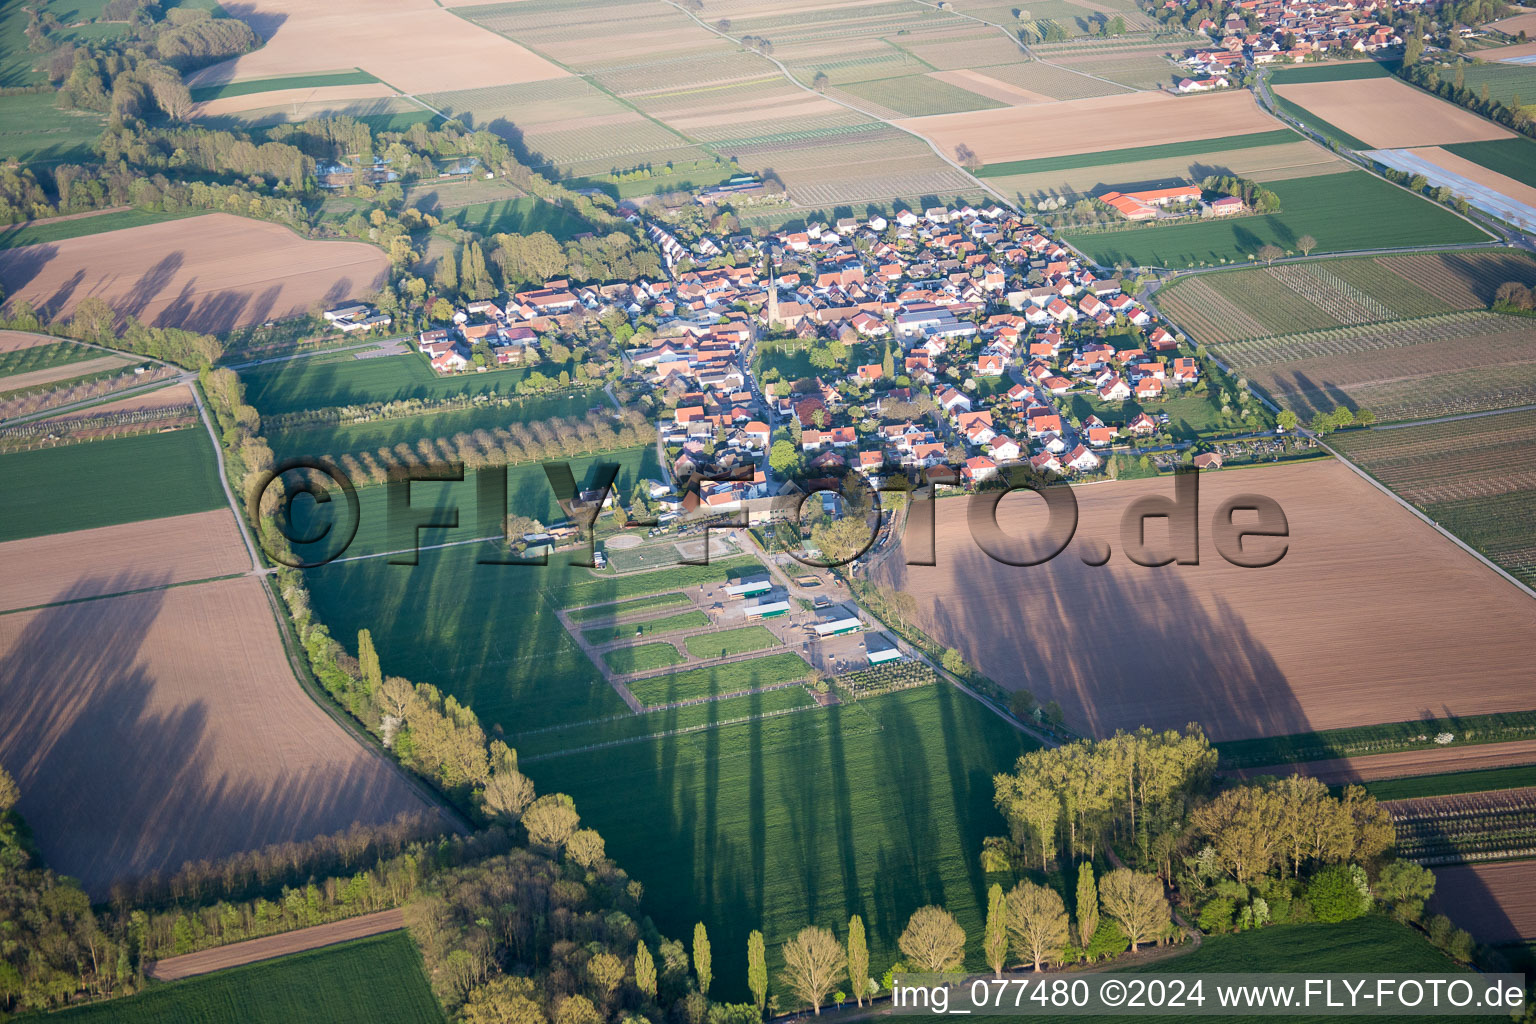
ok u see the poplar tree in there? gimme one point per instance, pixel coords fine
(995, 939)
(368, 661)
(1087, 904)
(645, 971)
(757, 971)
(858, 958)
(701, 958)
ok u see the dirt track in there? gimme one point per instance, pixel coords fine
(236, 953)
(1389, 114)
(206, 273)
(156, 728)
(1495, 902)
(1351, 627)
(1405, 763)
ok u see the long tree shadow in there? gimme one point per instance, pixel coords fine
(120, 749)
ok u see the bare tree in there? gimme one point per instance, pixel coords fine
(814, 962)
(1270, 253)
(1037, 923)
(1306, 243)
(934, 940)
(1136, 902)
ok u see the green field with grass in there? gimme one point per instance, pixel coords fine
(1253, 140)
(488, 633)
(518, 217)
(1375, 739)
(649, 627)
(644, 658)
(377, 980)
(1482, 780)
(43, 357)
(1345, 71)
(732, 677)
(630, 728)
(356, 76)
(59, 230)
(315, 382)
(1347, 211)
(876, 808)
(610, 611)
(104, 483)
(1513, 158)
(1506, 83)
(35, 131)
(731, 641)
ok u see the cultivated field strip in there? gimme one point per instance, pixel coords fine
(1295, 298)
(1472, 826)
(1341, 341)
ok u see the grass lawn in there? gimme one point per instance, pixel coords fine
(35, 131)
(1514, 158)
(104, 483)
(795, 364)
(315, 382)
(254, 85)
(732, 677)
(1189, 415)
(1504, 81)
(518, 217)
(630, 728)
(377, 980)
(1452, 783)
(874, 808)
(650, 627)
(42, 357)
(1347, 211)
(732, 641)
(57, 231)
(1252, 140)
(609, 611)
(643, 658)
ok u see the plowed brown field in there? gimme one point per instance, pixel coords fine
(1389, 114)
(156, 728)
(1135, 119)
(112, 559)
(208, 273)
(254, 950)
(1495, 902)
(414, 45)
(1366, 619)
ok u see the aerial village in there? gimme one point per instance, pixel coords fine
(1286, 31)
(954, 341)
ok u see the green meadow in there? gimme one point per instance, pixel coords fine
(104, 483)
(875, 808)
(1343, 212)
(377, 980)
(1103, 158)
